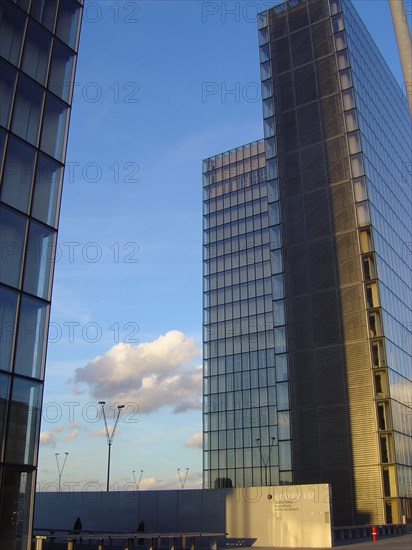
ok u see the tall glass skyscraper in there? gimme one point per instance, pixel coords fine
(307, 275)
(38, 45)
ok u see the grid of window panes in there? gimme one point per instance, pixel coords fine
(313, 147)
(241, 428)
(386, 135)
(278, 292)
(38, 47)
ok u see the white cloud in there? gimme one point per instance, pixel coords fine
(151, 374)
(49, 438)
(193, 481)
(195, 441)
(100, 432)
(72, 434)
(69, 432)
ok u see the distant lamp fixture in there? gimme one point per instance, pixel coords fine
(137, 483)
(60, 470)
(183, 481)
(109, 436)
(265, 463)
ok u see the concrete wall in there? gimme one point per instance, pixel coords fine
(162, 511)
(263, 516)
(288, 516)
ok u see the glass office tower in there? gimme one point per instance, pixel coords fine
(338, 179)
(38, 48)
(244, 441)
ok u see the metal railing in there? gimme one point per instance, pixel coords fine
(185, 541)
(363, 531)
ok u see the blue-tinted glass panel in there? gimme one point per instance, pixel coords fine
(39, 260)
(45, 12)
(11, 31)
(18, 174)
(8, 311)
(12, 238)
(68, 22)
(7, 84)
(31, 337)
(36, 53)
(62, 71)
(27, 110)
(53, 139)
(47, 191)
(24, 421)
(4, 397)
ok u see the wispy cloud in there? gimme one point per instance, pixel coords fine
(195, 441)
(193, 481)
(49, 438)
(65, 432)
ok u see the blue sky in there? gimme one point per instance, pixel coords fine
(160, 85)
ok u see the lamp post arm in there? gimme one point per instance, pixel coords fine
(64, 463)
(115, 425)
(105, 425)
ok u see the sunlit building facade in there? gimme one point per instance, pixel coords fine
(337, 143)
(38, 49)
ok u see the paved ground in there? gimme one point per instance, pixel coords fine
(401, 542)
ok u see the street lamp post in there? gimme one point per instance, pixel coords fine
(265, 462)
(270, 453)
(182, 482)
(60, 470)
(137, 484)
(110, 436)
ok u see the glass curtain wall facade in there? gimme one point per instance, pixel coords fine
(38, 48)
(337, 130)
(246, 428)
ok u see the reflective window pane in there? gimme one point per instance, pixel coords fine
(279, 312)
(7, 83)
(11, 32)
(351, 119)
(18, 174)
(24, 4)
(47, 190)
(36, 53)
(12, 236)
(354, 142)
(31, 337)
(359, 186)
(345, 79)
(348, 99)
(8, 310)
(343, 59)
(285, 459)
(280, 340)
(362, 212)
(3, 135)
(68, 22)
(45, 12)
(4, 396)
(61, 72)
(17, 491)
(27, 109)
(277, 286)
(24, 421)
(39, 260)
(340, 41)
(358, 168)
(55, 119)
(281, 368)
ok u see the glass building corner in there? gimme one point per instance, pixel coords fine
(38, 50)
